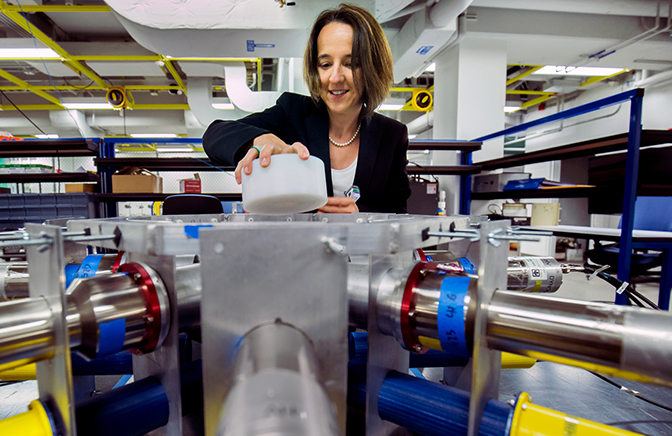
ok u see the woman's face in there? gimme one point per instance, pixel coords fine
(334, 64)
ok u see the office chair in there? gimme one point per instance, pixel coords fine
(651, 213)
(191, 204)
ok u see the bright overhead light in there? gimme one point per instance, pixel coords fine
(88, 106)
(390, 107)
(558, 70)
(412, 136)
(511, 109)
(28, 53)
(431, 68)
(48, 136)
(225, 106)
(154, 135)
(174, 149)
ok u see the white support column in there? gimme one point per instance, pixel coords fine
(469, 97)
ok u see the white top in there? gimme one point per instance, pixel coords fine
(342, 180)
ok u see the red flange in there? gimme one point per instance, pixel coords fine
(153, 316)
(117, 261)
(414, 278)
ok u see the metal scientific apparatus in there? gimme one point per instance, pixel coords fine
(303, 324)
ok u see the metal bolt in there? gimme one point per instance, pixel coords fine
(137, 277)
(289, 219)
(148, 319)
(524, 407)
(250, 219)
(417, 348)
(411, 313)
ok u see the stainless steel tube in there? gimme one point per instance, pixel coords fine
(14, 281)
(26, 332)
(601, 337)
(188, 295)
(277, 387)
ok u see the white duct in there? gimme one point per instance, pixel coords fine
(444, 12)
(421, 124)
(73, 119)
(424, 35)
(656, 79)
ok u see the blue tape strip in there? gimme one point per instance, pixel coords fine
(416, 372)
(467, 265)
(429, 258)
(89, 266)
(451, 315)
(70, 274)
(123, 380)
(111, 338)
(192, 230)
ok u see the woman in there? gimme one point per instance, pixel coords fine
(348, 70)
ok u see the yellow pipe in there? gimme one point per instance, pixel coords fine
(21, 373)
(57, 8)
(174, 73)
(601, 78)
(31, 88)
(160, 107)
(148, 58)
(525, 74)
(38, 34)
(259, 74)
(93, 87)
(31, 107)
(34, 422)
(515, 361)
(536, 101)
(517, 92)
(532, 420)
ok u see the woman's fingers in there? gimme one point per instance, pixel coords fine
(339, 205)
(245, 164)
(299, 149)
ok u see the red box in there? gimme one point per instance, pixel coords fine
(190, 186)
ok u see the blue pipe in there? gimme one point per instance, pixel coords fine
(115, 364)
(431, 359)
(131, 410)
(139, 407)
(425, 407)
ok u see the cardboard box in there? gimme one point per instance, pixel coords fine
(191, 186)
(80, 187)
(133, 179)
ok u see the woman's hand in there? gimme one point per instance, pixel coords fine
(269, 145)
(339, 205)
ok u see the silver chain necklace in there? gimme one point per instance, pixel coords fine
(344, 144)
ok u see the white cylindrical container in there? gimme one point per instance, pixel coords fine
(288, 185)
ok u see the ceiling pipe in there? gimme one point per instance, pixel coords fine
(421, 124)
(444, 12)
(656, 79)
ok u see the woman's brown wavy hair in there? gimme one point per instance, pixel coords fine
(370, 53)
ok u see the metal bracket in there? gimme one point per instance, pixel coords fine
(54, 376)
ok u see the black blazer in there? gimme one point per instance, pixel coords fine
(381, 169)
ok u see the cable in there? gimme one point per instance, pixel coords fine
(214, 166)
(425, 170)
(634, 300)
(17, 108)
(631, 293)
(642, 297)
(631, 392)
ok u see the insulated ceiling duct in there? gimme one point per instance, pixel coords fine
(221, 28)
(424, 35)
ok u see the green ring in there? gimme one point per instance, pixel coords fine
(258, 150)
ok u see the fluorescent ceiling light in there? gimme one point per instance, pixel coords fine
(28, 53)
(390, 107)
(88, 105)
(511, 109)
(225, 106)
(558, 70)
(48, 136)
(153, 135)
(174, 149)
(431, 68)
